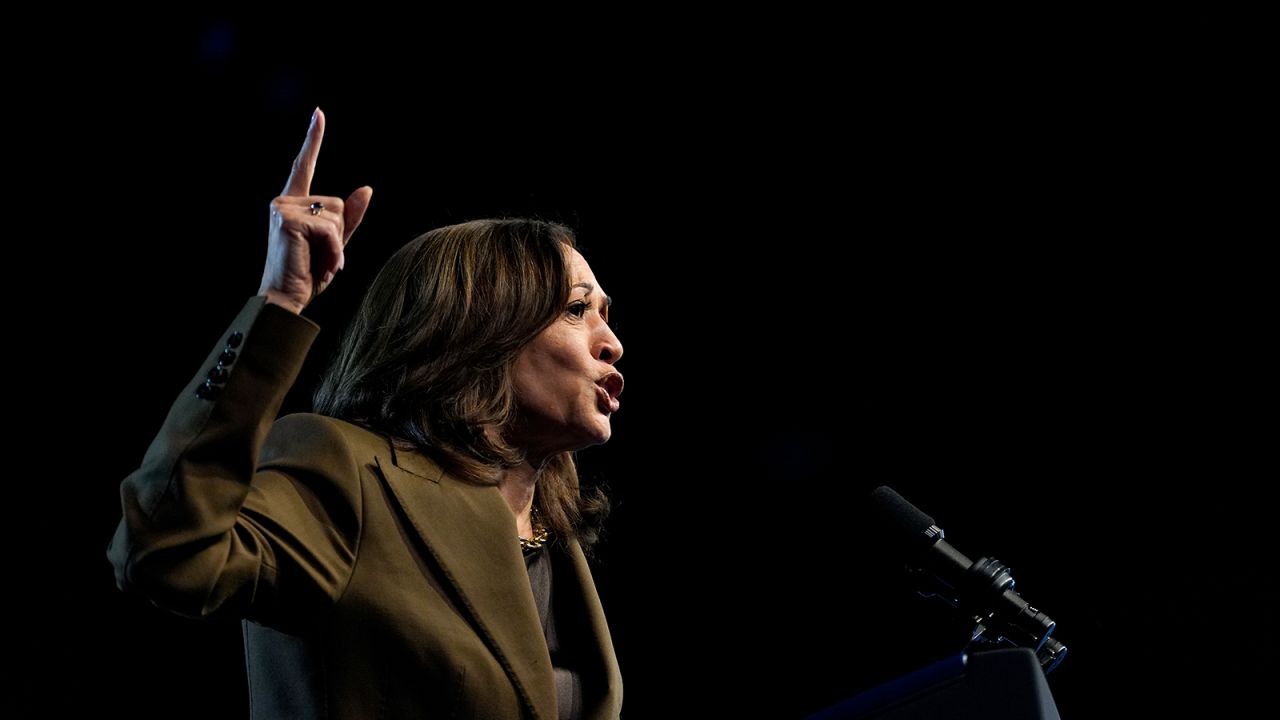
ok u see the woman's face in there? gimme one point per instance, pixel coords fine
(565, 384)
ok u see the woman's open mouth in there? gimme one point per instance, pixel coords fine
(608, 388)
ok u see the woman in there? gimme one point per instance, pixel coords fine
(416, 550)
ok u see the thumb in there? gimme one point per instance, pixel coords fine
(353, 211)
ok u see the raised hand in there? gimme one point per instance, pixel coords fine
(308, 233)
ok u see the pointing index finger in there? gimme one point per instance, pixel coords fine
(304, 166)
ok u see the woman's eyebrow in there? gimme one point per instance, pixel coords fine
(608, 299)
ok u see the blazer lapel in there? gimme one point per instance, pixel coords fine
(601, 647)
(471, 533)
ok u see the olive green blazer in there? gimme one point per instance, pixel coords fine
(372, 583)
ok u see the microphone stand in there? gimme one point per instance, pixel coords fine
(1000, 615)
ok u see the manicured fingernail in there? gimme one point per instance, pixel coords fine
(314, 114)
(328, 277)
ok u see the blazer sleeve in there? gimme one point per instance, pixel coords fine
(230, 513)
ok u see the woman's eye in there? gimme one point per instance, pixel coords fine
(578, 309)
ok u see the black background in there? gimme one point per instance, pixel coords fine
(1018, 281)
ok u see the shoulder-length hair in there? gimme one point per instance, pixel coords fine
(428, 357)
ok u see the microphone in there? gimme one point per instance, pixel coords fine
(983, 589)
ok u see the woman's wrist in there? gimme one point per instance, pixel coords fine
(275, 297)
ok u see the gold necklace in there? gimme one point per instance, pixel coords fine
(528, 545)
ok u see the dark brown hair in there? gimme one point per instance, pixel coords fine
(428, 357)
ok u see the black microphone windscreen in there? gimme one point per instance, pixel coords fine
(892, 514)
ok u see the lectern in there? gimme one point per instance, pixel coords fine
(1003, 684)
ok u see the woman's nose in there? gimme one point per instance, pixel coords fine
(610, 348)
